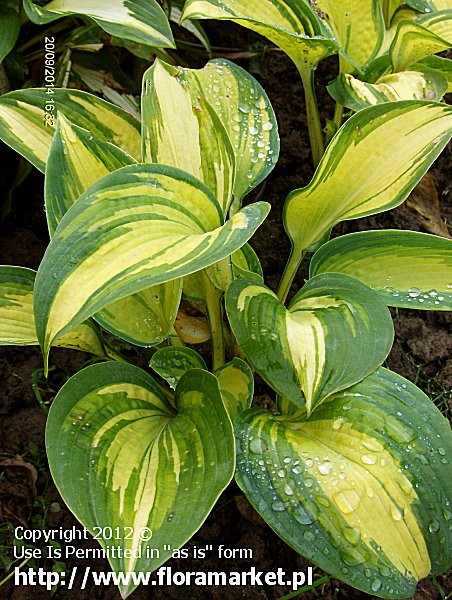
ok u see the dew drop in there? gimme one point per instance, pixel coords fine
(368, 459)
(278, 506)
(325, 468)
(375, 585)
(302, 516)
(434, 527)
(352, 535)
(309, 536)
(256, 446)
(396, 513)
(337, 423)
(347, 500)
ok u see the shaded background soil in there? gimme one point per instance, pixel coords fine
(421, 353)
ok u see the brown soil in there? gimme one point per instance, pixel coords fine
(423, 341)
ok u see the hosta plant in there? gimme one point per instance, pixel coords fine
(350, 467)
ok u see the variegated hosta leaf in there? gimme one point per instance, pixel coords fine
(76, 161)
(363, 171)
(245, 111)
(361, 488)
(335, 332)
(141, 21)
(176, 118)
(236, 386)
(416, 40)
(245, 262)
(292, 25)
(25, 127)
(358, 26)
(175, 15)
(145, 318)
(438, 65)
(406, 268)
(407, 85)
(17, 320)
(9, 26)
(123, 457)
(139, 226)
(172, 363)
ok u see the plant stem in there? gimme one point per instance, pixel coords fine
(214, 314)
(288, 276)
(338, 112)
(8, 577)
(312, 114)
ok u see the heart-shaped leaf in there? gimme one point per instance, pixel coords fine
(361, 488)
(122, 456)
(406, 268)
(172, 363)
(335, 332)
(137, 227)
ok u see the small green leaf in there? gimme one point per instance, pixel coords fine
(335, 332)
(361, 488)
(139, 226)
(17, 320)
(172, 362)
(141, 21)
(122, 456)
(363, 171)
(28, 128)
(236, 386)
(9, 26)
(408, 269)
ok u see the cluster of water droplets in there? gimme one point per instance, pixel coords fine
(250, 125)
(430, 299)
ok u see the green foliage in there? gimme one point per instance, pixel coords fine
(350, 468)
